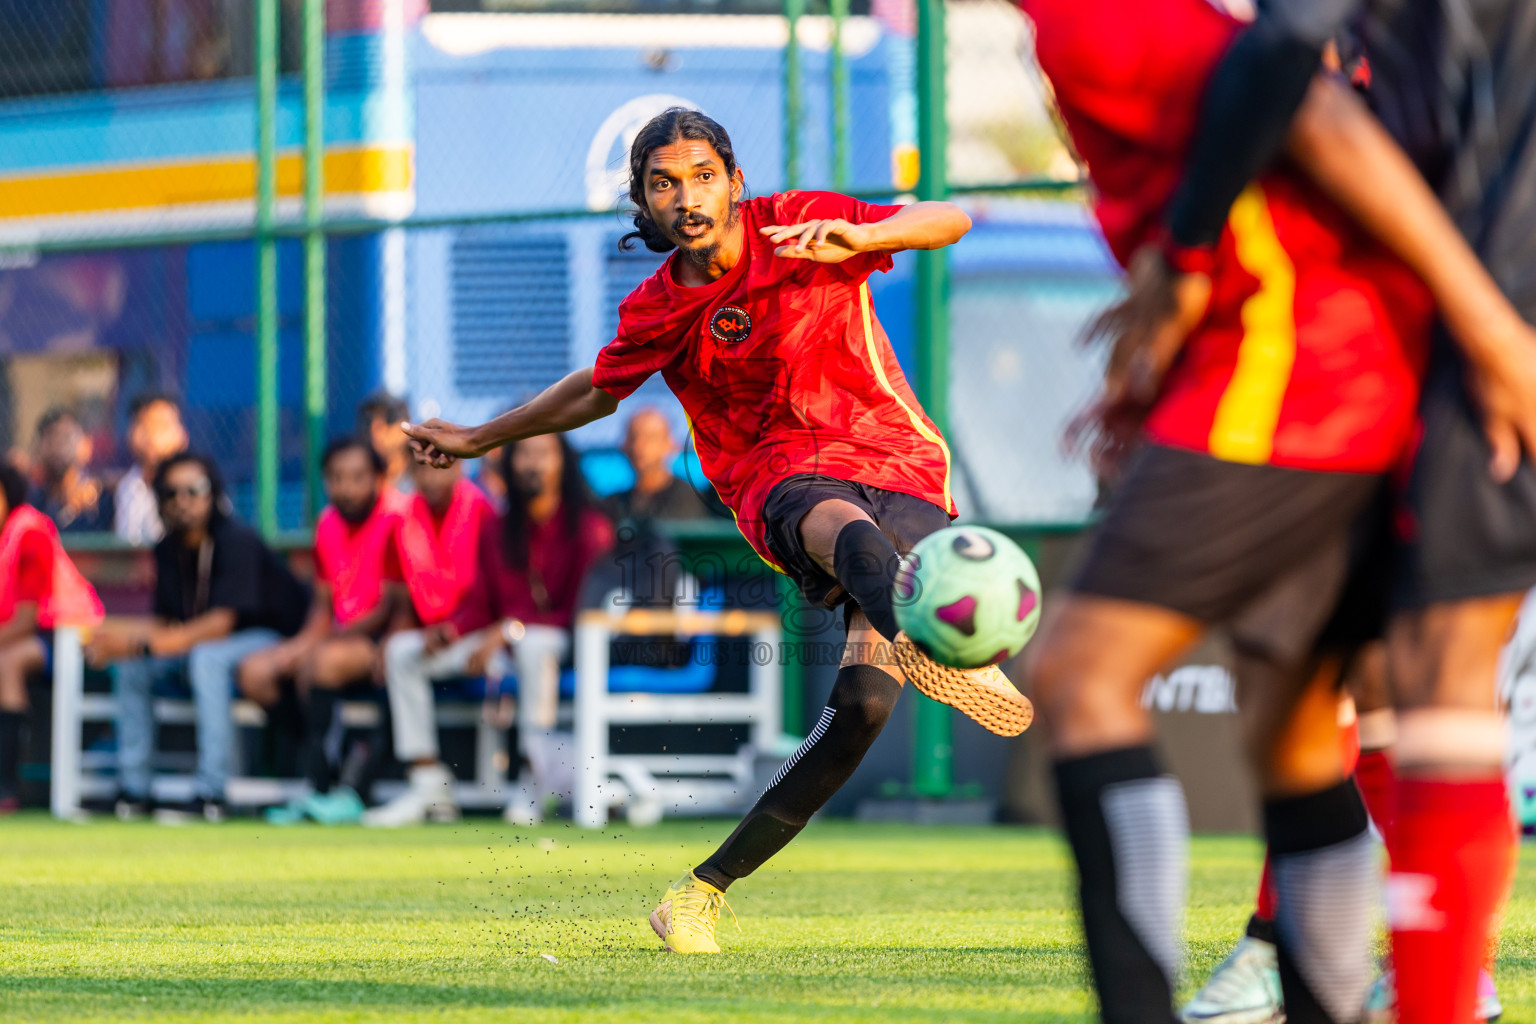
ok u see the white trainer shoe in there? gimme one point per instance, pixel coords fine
(1244, 989)
(428, 797)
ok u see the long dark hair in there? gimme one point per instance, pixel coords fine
(575, 499)
(667, 127)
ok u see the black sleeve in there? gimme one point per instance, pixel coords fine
(1252, 96)
(235, 582)
(167, 584)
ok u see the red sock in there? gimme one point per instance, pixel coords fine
(1452, 854)
(1378, 786)
(1264, 906)
(1349, 742)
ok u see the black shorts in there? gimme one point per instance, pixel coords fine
(903, 519)
(1264, 550)
(1460, 534)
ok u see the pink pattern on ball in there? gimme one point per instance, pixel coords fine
(1028, 599)
(961, 614)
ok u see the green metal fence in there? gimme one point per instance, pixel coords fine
(979, 125)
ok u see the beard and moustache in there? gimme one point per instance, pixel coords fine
(356, 515)
(704, 255)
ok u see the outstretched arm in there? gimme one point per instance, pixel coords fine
(927, 225)
(569, 403)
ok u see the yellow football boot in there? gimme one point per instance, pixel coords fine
(984, 694)
(686, 917)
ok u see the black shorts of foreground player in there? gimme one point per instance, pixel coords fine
(761, 323)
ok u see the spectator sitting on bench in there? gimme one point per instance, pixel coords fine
(155, 433)
(220, 593)
(657, 493)
(443, 557)
(533, 562)
(65, 491)
(39, 588)
(378, 422)
(356, 595)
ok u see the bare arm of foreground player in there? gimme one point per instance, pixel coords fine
(1341, 147)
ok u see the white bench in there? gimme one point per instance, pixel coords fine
(78, 775)
(649, 785)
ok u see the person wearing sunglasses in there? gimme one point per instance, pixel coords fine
(220, 594)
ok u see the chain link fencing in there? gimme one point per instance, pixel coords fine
(474, 162)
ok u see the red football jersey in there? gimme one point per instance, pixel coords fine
(782, 368)
(1310, 353)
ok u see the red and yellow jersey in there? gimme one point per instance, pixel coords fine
(782, 368)
(1311, 351)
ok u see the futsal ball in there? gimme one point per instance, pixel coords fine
(968, 596)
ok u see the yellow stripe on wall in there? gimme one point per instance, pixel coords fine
(137, 187)
(1249, 410)
(885, 385)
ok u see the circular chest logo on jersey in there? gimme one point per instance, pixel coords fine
(730, 323)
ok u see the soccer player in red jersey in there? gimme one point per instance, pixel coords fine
(761, 323)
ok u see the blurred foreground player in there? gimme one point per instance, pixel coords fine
(1453, 82)
(761, 323)
(1291, 400)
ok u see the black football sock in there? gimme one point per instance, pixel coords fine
(861, 702)
(319, 712)
(366, 761)
(283, 741)
(1261, 928)
(1129, 830)
(10, 751)
(864, 561)
(1324, 865)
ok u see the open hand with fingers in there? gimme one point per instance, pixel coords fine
(821, 241)
(1502, 378)
(438, 442)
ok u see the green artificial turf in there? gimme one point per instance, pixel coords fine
(482, 922)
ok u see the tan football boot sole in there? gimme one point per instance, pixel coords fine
(984, 694)
(659, 926)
